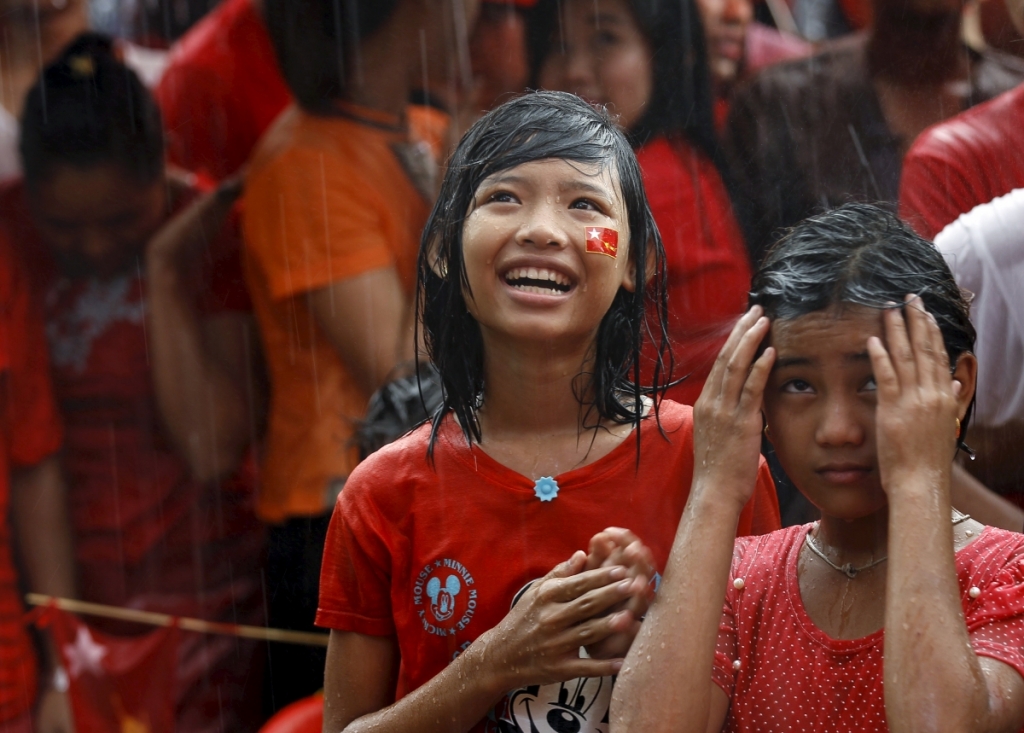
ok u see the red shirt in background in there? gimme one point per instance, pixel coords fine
(221, 90)
(784, 673)
(963, 162)
(145, 532)
(30, 432)
(433, 554)
(708, 270)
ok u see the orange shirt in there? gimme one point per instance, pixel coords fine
(325, 199)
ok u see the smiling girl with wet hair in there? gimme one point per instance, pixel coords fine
(539, 270)
(856, 360)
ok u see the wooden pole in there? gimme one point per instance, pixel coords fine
(188, 624)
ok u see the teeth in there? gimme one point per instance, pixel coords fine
(537, 273)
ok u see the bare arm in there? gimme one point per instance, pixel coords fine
(666, 684)
(202, 368)
(536, 643)
(969, 495)
(998, 464)
(933, 679)
(42, 532)
(366, 319)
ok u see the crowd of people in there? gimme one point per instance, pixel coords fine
(734, 284)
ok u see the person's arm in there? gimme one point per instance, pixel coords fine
(201, 366)
(42, 532)
(536, 643)
(969, 495)
(366, 319)
(933, 680)
(669, 688)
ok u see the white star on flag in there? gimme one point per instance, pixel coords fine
(85, 655)
(593, 234)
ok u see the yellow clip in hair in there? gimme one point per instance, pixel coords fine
(82, 66)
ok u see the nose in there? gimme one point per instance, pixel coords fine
(840, 424)
(542, 227)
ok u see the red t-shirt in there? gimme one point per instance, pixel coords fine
(708, 270)
(434, 555)
(143, 527)
(221, 90)
(963, 162)
(31, 432)
(792, 676)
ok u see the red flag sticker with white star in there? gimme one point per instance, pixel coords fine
(603, 241)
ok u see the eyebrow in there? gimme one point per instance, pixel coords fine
(605, 18)
(562, 187)
(793, 361)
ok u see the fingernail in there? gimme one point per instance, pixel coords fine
(617, 573)
(616, 666)
(625, 585)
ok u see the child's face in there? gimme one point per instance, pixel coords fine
(538, 252)
(820, 406)
(602, 56)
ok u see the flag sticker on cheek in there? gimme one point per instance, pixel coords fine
(603, 241)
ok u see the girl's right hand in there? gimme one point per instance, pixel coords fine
(539, 641)
(727, 418)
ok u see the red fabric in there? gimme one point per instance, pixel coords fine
(793, 676)
(434, 555)
(708, 271)
(117, 684)
(146, 534)
(963, 162)
(221, 90)
(31, 431)
(304, 716)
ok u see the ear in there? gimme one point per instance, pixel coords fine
(966, 373)
(650, 267)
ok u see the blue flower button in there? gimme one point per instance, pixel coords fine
(546, 488)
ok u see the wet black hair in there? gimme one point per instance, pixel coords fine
(317, 44)
(87, 108)
(542, 126)
(861, 254)
(682, 101)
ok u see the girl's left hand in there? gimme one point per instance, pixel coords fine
(915, 419)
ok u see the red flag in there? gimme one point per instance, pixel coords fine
(118, 684)
(603, 241)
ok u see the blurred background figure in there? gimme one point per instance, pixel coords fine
(35, 532)
(833, 128)
(647, 62)
(983, 249)
(739, 46)
(221, 90)
(336, 196)
(153, 355)
(967, 160)
(32, 34)
(497, 50)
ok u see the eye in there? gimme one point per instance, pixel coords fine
(870, 385)
(585, 205)
(502, 197)
(605, 39)
(797, 386)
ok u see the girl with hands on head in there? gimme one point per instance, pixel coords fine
(864, 384)
(541, 275)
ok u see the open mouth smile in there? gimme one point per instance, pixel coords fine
(538, 280)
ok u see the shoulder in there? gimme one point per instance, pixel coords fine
(675, 419)
(207, 44)
(994, 226)
(987, 128)
(766, 551)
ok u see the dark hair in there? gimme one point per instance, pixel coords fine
(861, 254)
(317, 41)
(88, 108)
(541, 126)
(681, 101)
